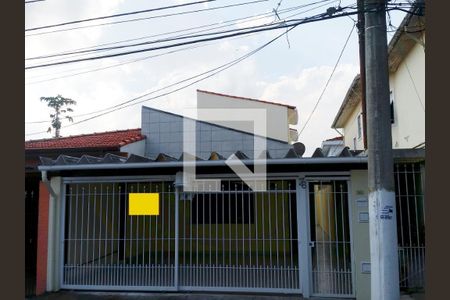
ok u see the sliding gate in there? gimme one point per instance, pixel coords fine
(234, 239)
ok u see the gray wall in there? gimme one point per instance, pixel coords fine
(164, 132)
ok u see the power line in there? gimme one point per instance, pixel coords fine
(115, 65)
(182, 37)
(328, 81)
(205, 78)
(89, 70)
(284, 24)
(415, 87)
(117, 15)
(211, 71)
(35, 122)
(249, 18)
(151, 17)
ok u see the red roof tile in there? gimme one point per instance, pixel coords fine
(245, 98)
(93, 140)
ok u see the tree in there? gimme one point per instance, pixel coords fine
(61, 107)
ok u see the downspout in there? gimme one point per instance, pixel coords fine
(47, 184)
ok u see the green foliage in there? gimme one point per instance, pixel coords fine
(61, 107)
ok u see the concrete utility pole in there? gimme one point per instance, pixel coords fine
(382, 211)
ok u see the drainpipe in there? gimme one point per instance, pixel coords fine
(47, 184)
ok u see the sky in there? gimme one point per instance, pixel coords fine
(292, 70)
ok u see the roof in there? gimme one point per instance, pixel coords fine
(111, 161)
(406, 36)
(351, 100)
(337, 138)
(399, 46)
(108, 139)
(245, 98)
(115, 162)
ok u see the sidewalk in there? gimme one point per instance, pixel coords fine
(69, 295)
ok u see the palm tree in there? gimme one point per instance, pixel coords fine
(61, 107)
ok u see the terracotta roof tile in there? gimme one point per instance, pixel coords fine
(107, 139)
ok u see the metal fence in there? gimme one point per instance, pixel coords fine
(330, 238)
(409, 185)
(234, 239)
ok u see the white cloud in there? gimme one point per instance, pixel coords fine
(303, 91)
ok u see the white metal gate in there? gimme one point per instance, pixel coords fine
(232, 240)
(105, 248)
(238, 239)
(331, 265)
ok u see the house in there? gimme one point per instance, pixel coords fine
(406, 58)
(120, 142)
(306, 233)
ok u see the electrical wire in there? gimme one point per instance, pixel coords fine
(328, 81)
(240, 20)
(143, 44)
(117, 15)
(149, 18)
(236, 61)
(212, 73)
(34, 122)
(284, 24)
(160, 41)
(89, 70)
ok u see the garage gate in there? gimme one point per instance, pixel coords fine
(231, 240)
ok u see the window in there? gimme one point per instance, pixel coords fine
(223, 208)
(391, 96)
(359, 126)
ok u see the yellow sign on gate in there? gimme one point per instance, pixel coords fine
(143, 204)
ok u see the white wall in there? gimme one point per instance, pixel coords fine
(137, 148)
(54, 235)
(360, 231)
(277, 115)
(408, 89)
(351, 130)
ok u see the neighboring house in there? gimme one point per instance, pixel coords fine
(306, 234)
(279, 116)
(407, 91)
(120, 142)
(406, 59)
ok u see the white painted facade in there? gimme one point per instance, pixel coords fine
(407, 86)
(279, 116)
(353, 137)
(137, 148)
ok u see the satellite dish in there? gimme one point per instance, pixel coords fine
(299, 148)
